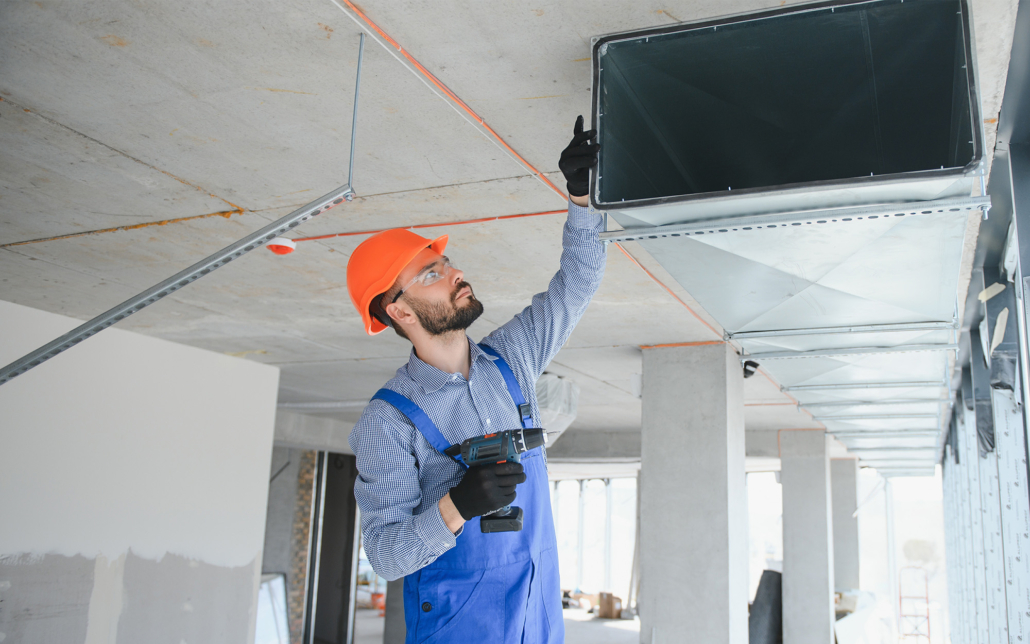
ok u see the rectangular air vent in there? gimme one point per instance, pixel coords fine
(813, 106)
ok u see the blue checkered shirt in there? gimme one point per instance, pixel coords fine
(401, 476)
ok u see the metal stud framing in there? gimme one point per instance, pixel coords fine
(986, 504)
(205, 266)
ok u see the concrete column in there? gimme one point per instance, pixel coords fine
(608, 535)
(693, 505)
(807, 538)
(844, 484)
(580, 537)
(394, 630)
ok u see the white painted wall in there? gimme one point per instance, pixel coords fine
(128, 446)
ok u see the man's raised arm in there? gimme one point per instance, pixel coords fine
(536, 334)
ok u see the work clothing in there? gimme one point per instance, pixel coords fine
(577, 159)
(486, 488)
(454, 590)
(494, 587)
(509, 580)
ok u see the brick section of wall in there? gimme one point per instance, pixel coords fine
(299, 549)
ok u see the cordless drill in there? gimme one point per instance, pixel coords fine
(499, 447)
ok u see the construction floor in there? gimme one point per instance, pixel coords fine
(580, 628)
(583, 628)
(368, 626)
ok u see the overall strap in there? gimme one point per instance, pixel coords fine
(521, 406)
(419, 419)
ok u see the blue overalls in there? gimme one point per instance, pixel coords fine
(489, 588)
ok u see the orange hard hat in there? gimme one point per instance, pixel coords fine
(375, 264)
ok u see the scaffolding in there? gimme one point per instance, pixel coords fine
(913, 605)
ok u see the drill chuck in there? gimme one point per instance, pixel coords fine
(508, 445)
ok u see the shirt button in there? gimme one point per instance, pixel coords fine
(426, 607)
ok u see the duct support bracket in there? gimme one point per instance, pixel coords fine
(879, 417)
(824, 353)
(875, 403)
(879, 433)
(861, 328)
(866, 385)
(931, 448)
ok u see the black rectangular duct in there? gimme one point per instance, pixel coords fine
(812, 106)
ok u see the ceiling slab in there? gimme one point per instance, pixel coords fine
(252, 109)
(145, 112)
(58, 182)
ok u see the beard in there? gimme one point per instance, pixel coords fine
(443, 317)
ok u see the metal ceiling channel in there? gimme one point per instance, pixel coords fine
(815, 198)
(212, 262)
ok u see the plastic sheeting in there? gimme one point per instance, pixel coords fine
(558, 399)
(872, 622)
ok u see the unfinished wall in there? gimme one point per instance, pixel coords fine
(133, 487)
(288, 526)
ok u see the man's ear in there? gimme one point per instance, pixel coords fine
(401, 314)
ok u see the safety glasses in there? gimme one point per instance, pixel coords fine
(429, 275)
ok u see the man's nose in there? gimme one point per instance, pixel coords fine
(456, 276)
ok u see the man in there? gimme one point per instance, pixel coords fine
(420, 510)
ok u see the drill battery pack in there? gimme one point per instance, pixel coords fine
(501, 521)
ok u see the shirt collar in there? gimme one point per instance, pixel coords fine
(431, 379)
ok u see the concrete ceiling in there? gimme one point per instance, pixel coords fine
(126, 114)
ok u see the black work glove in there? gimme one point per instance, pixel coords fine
(486, 488)
(577, 159)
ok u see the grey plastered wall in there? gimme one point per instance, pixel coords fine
(133, 489)
(177, 600)
(45, 598)
(282, 505)
(308, 431)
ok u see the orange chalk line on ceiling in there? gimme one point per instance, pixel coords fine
(669, 291)
(438, 225)
(359, 17)
(236, 210)
(431, 78)
(163, 222)
(127, 156)
(366, 23)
